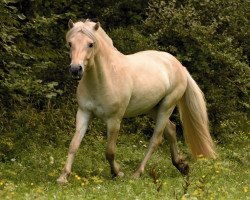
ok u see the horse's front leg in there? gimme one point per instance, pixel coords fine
(113, 127)
(82, 121)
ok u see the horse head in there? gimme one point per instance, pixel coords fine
(82, 42)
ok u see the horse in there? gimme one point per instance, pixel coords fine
(113, 86)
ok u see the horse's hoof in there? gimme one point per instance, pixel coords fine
(120, 175)
(184, 168)
(62, 180)
(136, 175)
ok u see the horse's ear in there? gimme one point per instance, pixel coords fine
(70, 24)
(97, 25)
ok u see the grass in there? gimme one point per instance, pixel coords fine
(32, 172)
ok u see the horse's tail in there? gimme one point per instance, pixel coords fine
(194, 119)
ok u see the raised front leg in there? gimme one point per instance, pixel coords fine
(177, 159)
(113, 126)
(82, 121)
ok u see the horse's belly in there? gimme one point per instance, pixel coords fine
(134, 110)
(141, 104)
(150, 86)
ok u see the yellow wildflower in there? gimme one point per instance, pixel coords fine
(77, 177)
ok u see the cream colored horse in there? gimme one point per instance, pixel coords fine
(114, 86)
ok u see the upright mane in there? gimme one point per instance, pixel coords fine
(86, 27)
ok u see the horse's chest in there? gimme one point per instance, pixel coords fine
(101, 103)
(94, 107)
(100, 109)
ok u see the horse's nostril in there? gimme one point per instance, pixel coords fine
(80, 68)
(76, 70)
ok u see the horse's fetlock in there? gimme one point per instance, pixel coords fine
(66, 172)
(175, 161)
(110, 156)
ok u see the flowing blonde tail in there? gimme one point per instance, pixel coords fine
(194, 119)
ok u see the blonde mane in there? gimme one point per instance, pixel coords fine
(87, 28)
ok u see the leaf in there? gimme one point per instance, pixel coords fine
(21, 16)
(51, 95)
(52, 85)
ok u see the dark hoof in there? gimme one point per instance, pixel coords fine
(113, 175)
(119, 175)
(182, 166)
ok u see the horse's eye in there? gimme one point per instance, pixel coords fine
(91, 45)
(69, 44)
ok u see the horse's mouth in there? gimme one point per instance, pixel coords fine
(76, 77)
(76, 71)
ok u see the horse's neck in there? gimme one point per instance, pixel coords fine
(103, 72)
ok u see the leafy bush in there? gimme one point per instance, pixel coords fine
(130, 40)
(202, 35)
(26, 51)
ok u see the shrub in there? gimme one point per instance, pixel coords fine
(202, 35)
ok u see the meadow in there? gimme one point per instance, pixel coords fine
(32, 172)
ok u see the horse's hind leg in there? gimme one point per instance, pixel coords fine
(161, 119)
(177, 160)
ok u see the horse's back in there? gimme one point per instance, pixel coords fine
(156, 66)
(155, 74)
(153, 61)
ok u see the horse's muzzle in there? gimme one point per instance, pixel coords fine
(76, 71)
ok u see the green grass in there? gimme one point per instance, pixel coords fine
(32, 171)
(34, 145)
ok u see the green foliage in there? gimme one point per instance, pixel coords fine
(27, 55)
(130, 40)
(202, 34)
(29, 129)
